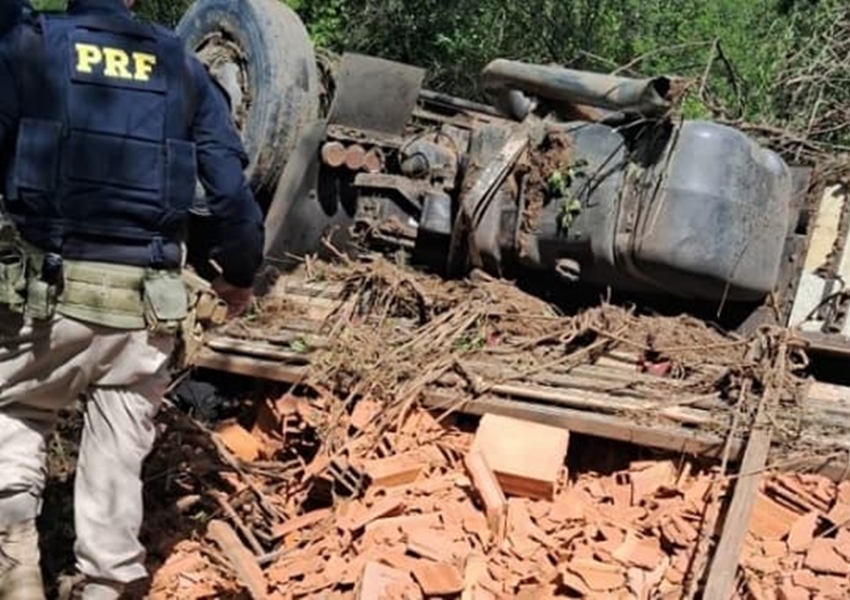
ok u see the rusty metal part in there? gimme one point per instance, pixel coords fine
(333, 154)
(374, 94)
(346, 135)
(411, 190)
(507, 82)
(355, 157)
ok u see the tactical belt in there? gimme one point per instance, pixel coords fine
(119, 296)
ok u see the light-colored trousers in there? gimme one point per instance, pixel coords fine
(46, 367)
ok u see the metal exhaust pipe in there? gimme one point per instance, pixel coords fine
(507, 82)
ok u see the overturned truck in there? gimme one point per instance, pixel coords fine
(578, 179)
(573, 184)
(577, 184)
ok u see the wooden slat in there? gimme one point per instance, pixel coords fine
(251, 367)
(676, 439)
(724, 566)
(255, 349)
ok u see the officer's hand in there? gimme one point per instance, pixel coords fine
(237, 298)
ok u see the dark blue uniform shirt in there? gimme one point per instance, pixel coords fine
(10, 13)
(221, 158)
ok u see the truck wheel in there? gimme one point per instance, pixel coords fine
(260, 54)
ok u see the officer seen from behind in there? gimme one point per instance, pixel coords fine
(105, 123)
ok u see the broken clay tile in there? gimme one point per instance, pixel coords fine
(239, 441)
(475, 523)
(438, 579)
(406, 524)
(432, 544)
(757, 590)
(567, 507)
(770, 520)
(519, 518)
(842, 544)
(822, 558)
(539, 509)
(383, 508)
(377, 579)
(803, 532)
(479, 592)
(762, 564)
(773, 548)
(397, 559)
(789, 489)
(839, 514)
(678, 531)
(396, 470)
(789, 591)
(805, 579)
(536, 591)
(575, 583)
(598, 576)
(641, 552)
(646, 481)
(364, 411)
(526, 457)
(474, 572)
(833, 587)
(697, 492)
(301, 522)
(488, 488)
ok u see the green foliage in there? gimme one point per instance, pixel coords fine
(745, 43)
(740, 54)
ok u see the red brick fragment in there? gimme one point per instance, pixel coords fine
(641, 552)
(770, 520)
(822, 558)
(488, 488)
(301, 522)
(596, 575)
(526, 457)
(395, 470)
(383, 508)
(438, 579)
(789, 591)
(380, 582)
(239, 441)
(803, 532)
(649, 478)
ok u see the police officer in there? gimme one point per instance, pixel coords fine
(105, 126)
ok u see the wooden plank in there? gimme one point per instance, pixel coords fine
(250, 367)
(253, 348)
(676, 439)
(605, 403)
(723, 571)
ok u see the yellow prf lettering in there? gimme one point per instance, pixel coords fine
(117, 62)
(143, 64)
(88, 55)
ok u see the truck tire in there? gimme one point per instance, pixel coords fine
(259, 52)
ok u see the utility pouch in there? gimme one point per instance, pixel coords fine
(41, 300)
(13, 280)
(166, 301)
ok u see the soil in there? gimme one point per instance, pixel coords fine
(553, 154)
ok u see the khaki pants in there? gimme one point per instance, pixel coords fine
(46, 367)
